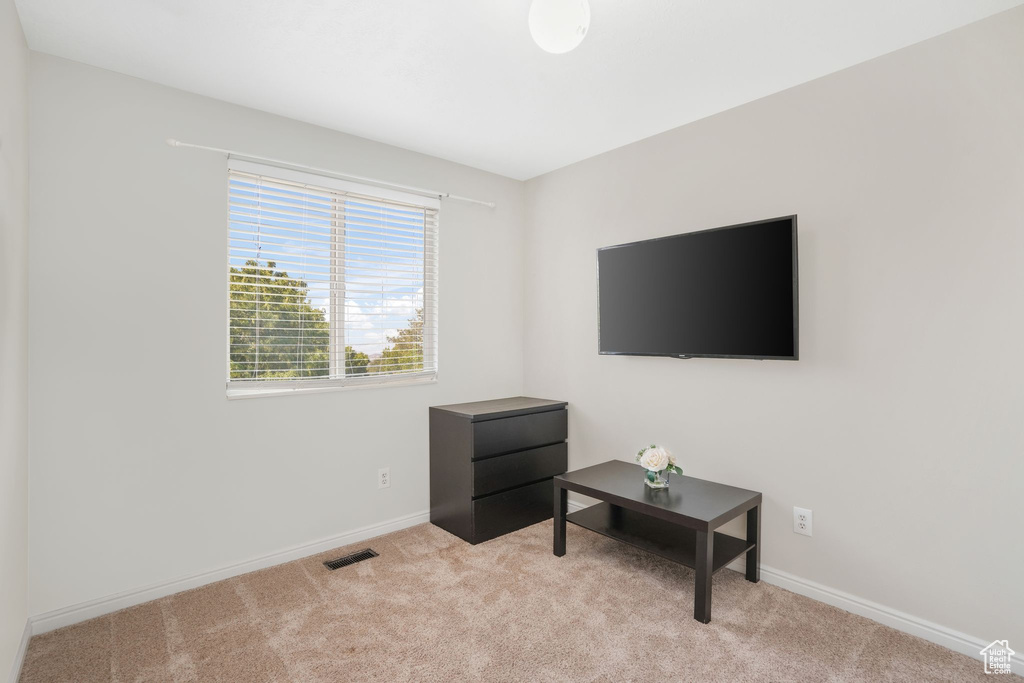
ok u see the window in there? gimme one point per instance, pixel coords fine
(330, 283)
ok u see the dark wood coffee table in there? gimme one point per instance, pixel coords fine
(677, 523)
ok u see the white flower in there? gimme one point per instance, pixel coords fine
(656, 459)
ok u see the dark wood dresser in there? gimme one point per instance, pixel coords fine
(491, 464)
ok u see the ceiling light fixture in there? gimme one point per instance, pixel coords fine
(558, 26)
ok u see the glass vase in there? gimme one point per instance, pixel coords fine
(657, 480)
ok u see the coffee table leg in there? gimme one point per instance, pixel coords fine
(561, 507)
(702, 587)
(754, 534)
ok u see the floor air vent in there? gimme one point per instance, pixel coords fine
(350, 559)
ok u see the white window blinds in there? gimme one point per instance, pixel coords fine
(329, 282)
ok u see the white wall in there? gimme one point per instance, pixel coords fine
(901, 424)
(142, 471)
(14, 61)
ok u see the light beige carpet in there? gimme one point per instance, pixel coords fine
(433, 608)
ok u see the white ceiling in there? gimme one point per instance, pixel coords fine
(462, 79)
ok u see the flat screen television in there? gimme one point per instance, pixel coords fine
(723, 293)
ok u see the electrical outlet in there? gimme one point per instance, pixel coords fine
(802, 519)
(384, 478)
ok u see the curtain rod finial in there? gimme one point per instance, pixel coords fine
(172, 142)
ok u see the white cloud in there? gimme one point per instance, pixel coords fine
(369, 322)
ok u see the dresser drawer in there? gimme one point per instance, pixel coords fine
(504, 512)
(519, 433)
(516, 469)
(491, 464)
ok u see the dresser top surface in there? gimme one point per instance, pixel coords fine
(501, 407)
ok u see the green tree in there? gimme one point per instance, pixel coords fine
(356, 362)
(275, 331)
(405, 352)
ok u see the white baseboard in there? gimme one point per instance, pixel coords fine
(19, 657)
(74, 614)
(901, 621)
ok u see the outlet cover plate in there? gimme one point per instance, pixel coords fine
(802, 521)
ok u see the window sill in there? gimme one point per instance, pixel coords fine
(235, 393)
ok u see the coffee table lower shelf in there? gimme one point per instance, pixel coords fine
(657, 536)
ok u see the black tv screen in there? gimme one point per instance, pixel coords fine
(724, 293)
